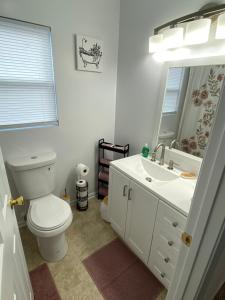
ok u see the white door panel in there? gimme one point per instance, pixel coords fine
(14, 277)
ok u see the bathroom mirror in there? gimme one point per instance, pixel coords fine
(190, 100)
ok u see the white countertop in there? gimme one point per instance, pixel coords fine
(178, 193)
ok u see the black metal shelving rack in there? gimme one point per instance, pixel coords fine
(103, 164)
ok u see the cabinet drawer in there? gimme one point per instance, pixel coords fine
(163, 274)
(161, 244)
(158, 259)
(166, 243)
(170, 220)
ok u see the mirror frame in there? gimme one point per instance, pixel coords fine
(204, 61)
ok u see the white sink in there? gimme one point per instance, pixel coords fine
(163, 183)
(143, 167)
(156, 171)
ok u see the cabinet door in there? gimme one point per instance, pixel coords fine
(118, 190)
(142, 206)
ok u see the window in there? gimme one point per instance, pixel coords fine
(173, 90)
(27, 88)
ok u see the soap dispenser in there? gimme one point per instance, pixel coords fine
(145, 150)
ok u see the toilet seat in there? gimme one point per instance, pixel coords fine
(48, 215)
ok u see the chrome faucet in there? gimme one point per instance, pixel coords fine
(174, 144)
(161, 160)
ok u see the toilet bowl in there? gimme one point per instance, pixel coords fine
(48, 217)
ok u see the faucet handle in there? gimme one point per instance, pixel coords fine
(153, 158)
(171, 162)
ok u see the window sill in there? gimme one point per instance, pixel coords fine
(169, 113)
(28, 126)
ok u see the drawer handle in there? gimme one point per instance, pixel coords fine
(170, 243)
(129, 194)
(166, 259)
(163, 275)
(175, 224)
(124, 190)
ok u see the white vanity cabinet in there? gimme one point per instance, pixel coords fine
(166, 243)
(148, 225)
(132, 211)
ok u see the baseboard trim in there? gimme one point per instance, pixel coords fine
(92, 195)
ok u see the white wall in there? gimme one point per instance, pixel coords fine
(138, 74)
(86, 101)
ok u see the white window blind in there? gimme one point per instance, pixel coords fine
(173, 89)
(27, 88)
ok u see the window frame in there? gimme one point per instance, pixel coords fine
(24, 126)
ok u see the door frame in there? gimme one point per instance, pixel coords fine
(203, 214)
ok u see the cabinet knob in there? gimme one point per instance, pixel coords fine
(163, 275)
(175, 224)
(170, 243)
(166, 259)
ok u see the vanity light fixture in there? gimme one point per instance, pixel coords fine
(173, 38)
(155, 43)
(220, 29)
(192, 29)
(197, 32)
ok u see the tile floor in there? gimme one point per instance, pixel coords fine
(87, 233)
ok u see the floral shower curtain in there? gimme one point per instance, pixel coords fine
(203, 94)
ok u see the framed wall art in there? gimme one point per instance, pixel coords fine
(89, 54)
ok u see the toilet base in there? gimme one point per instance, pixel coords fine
(53, 248)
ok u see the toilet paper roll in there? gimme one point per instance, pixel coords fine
(82, 183)
(82, 170)
(83, 194)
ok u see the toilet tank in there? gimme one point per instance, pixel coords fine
(166, 137)
(34, 175)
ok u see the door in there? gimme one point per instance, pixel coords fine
(142, 206)
(206, 207)
(14, 279)
(118, 191)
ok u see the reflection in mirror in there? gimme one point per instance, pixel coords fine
(189, 108)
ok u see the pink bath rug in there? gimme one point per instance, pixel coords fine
(120, 275)
(43, 285)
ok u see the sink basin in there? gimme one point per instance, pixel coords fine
(156, 171)
(147, 169)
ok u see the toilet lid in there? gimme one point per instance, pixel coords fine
(49, 212)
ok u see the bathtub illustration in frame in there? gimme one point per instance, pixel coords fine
(89, 54)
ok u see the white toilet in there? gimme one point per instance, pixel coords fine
(48, 216)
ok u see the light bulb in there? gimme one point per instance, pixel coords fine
(197, 32)
(173, 38)
(155, 43)
(220, 29)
